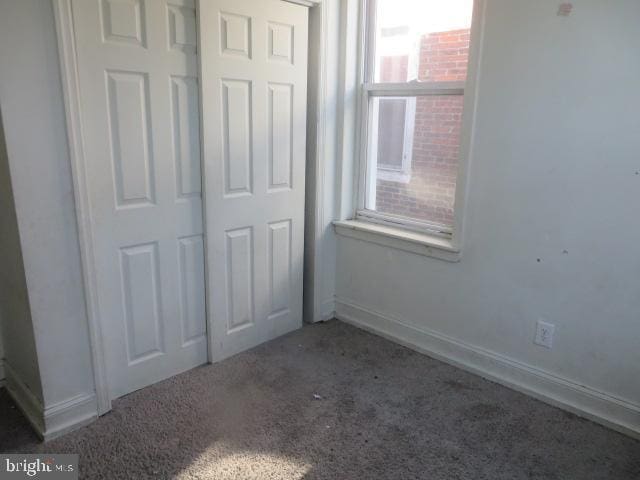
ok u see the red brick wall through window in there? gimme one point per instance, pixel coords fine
(429, 195)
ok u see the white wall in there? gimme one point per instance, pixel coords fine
(556, 177)
(19, 356)
(34, 124)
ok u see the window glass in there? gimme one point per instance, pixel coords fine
(414, 135)
(425, 40)
(392, 119)
(424, 189)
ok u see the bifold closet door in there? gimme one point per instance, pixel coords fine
(138, 76)
(253, 72)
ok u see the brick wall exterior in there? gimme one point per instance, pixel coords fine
(394, 69)
(429, 195)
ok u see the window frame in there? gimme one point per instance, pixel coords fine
(367, 174)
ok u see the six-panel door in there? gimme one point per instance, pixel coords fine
(253, 66)
(140, 110)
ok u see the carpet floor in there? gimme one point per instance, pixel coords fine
(331, 401)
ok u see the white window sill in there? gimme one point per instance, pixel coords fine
(414, 242)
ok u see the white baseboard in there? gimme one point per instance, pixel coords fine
(617, 414)
(327, 309)
(54, 420)
(69, 415)
(27, 402)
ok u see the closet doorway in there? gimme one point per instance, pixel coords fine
(192, 120)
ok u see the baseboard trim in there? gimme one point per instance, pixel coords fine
(615, 413)
(27, 402)
(327, 310)
(55, 420)
(69, 415)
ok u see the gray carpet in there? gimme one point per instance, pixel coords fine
(333, 402)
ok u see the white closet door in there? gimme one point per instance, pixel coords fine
(253, 70)
(140, 110)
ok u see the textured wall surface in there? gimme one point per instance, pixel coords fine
(34, 124)
(552, 208)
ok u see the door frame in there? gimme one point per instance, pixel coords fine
(71, 95)
(76, 145)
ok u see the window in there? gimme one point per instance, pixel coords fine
(396, 116)
(415, 69)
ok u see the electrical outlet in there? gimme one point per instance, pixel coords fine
(544, 334)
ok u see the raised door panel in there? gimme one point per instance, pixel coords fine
(237, 137)
(192, 288)
(124, 21)
(186, 135)
(142, 302)
(131, 149)
(280, 42)
(280, 135)
(240, 276)
(279, 275)
(182, 26)
(235, 35)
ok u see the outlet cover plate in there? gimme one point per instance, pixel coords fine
(544, 334)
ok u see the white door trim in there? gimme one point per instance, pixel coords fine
(321, 129)
(75, 139)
